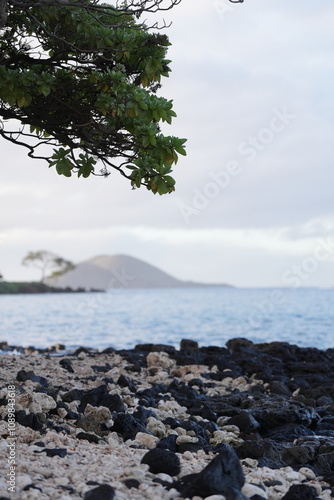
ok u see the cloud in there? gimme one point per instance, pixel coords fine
(231, 71)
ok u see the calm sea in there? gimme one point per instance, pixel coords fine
(211, 316)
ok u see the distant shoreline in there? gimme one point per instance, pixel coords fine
(35, 287)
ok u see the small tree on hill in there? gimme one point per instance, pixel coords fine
(46, 262)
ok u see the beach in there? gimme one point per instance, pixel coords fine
(245, 421)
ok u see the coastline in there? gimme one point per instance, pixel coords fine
(34, 287)
(264, 413)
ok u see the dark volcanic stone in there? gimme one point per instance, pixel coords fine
(297, 455)
(301, 492)
(102, 492)
(41, 444)
(275, 411)
(245, 421)
(101, 368)
(23, 375)
(219, 477)
(250, 449)
(53, 452)
(108, 350)
(143, 414)
(155, 348)
(210, 427)
(124, 381)
(239, 344)
(161, 460)
(100, 397)
(131, 483)
(168, 443)
(188, 344)
(89, 437)
(234, 494)
(32, 486)
(324, 464)
(128, 426)
(289, 432)
(67, 364)
(31, 420)
(80, 350)
(278, 387)
(73, 395)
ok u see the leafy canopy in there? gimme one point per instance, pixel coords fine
(78, 86)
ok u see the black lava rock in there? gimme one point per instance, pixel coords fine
(257, 497)
(101, 368)
(301, 492)
(234, 494)
(162, 460)
(298, 455)
(89, 437)
(32, 486)
(54, 452)
(131, 483)
(99, 396)
(168, 443)
(143, 414)
(124, 381)
(220, 477)
(73, 395)
(41, 444)
(23, 375)
(251, 449)
(128, 426)
(289, 432)
(188, 344)
(66, 363)
(31, 420)
(245, 421)
(102, 492)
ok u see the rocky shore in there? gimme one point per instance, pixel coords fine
(244, 422)
(27, 287)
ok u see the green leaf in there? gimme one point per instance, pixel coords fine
(85, 81)
(45, 89)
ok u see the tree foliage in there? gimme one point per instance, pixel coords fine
(78, 88)
(46, 262)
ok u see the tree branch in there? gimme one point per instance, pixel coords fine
(3, 13)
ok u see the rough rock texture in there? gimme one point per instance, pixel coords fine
(245, 422)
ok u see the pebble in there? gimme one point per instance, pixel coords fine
(225, 436)
(186, 439)
(159, 359)
(100, 414)
(308, 473)
(157, 428)
(250, 490)
(129, 410)
(146, 440)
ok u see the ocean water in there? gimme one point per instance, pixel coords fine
(211, 316)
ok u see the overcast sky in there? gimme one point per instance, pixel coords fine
(252, 85)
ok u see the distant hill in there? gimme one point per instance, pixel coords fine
(119, 271)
